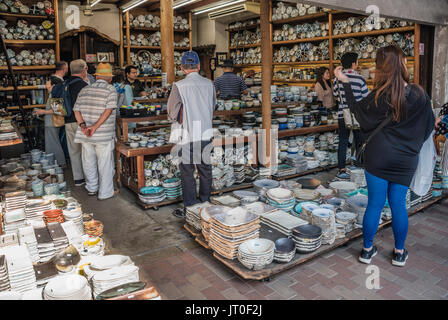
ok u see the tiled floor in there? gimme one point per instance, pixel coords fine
(180, 268)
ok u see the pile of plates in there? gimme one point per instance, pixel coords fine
(226, 201)
(58, 236)
(151, 195)
(68, 287)
(297, 161)
(280, 198)
(74, 233)
(74, 214)
(45, 272)
(4, 279)
(341, 188)
(324, 218)
(263, 185)
(229, 229)
(260, 208)
(285, 250)
(35, 208)
(54, 215)
(28, 238)
(102, 263)
(246, 197)
(193, 214)
(307, 238)
(172, 188)
(347, 219)
(94, 228)
(15, 200)
(255, 254)
(113, 277)
(304, 209)
(206, 214)
(282, 222)
(20, 268)
(428, 196)
(92, 246)
(13, 220)
(358, 205)
(307, 195)
(239, 174)
(45, 244)
(284, 170)
(336, 202)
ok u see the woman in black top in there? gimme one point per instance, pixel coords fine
(391, 157)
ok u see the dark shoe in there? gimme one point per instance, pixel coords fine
(179, 213)
(79, 183)
(90, 193)
(399, 259)
(366, 256)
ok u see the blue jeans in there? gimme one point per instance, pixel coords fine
(379, 189)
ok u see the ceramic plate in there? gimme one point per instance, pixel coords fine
(257, 246)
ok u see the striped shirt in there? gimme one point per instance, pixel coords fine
(92, 101)
(229, 85)
(359, 87)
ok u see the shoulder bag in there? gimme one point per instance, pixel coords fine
(349, 118)
(360, 157)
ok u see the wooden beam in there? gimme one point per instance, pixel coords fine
(167, 41)
(266, 77)
(194, 5)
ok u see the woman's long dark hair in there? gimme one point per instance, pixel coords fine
(320, 78)
(391, 77)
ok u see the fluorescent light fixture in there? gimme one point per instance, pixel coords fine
(218, 6)
(94, 3)
(133, 5)
(181, 4)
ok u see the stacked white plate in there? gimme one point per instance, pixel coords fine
(96, 249)
(340, 230)
(246, 197)
(35, 208)
(13, 220)
(114, 277)
(280, 198)
(20, 268)
(255, 254)
(206, 214)
(324, 218)
(260, 208)
(282, 222)
(28, 238)
(229, 229)
(15, 200)
(4, 279)
(343, 187)
(193, 214)
(308, 238)
(74, 234)
(347, 219)
(58, 236)
(74, 214)
(226, 201)
(358, 205)
(102, 263)
(68, 287)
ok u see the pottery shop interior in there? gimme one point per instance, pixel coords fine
(95, 203)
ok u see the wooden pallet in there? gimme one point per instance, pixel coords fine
(275, 268)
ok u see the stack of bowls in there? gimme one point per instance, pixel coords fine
(152, 195)
(341, 188)
(51, 188)
(346, 219)
(263, 185)
(68, 287)
(54, 215)
(206, 214)
(358, 205)
(74, 214)
(94, 228)
(308, 238)
(172, 188)
(281, 198)
(38, 188)
(307, 195)
(304, 209)
(285, 250)
(324, 218)
(246, 197)
(255, 254)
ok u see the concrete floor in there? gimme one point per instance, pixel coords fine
(179, 268)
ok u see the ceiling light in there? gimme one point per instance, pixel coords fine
(181, 4)
(95, 3)
(133, 5)
(219, 6)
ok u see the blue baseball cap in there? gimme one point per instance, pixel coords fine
(190, 57)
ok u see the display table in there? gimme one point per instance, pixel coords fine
(11, 142)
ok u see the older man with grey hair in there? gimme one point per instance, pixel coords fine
(192, 102)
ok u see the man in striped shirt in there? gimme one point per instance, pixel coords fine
(359, 86)
(95, 113)
(229, 85)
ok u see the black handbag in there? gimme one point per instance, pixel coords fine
(360, 153)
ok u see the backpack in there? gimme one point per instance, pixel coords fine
(121, 96)
(61, 91)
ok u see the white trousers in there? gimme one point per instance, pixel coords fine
(74, 150)
(99, 169)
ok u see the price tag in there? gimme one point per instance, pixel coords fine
(422, 49)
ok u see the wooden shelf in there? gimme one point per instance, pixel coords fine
(142, 29)
(301, 18)
(302, 63)
(5, 143)
(235, 112)
(285, 42)
(294, 81)
(21, 68)
(163, 116)
(181, 31)
(252, 26)
(254, 45)
(151, 100)
(373, 33)
(29, 42)
(32, 106)
(370, 60)
(154, 127)
(182, 48)
(24, 88)
(307, 130)
(134, 152)
(146, 47)
(26, 16)
(247, 65)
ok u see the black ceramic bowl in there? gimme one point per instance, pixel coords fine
(309, 183)
(308, 231)
(284, 245)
